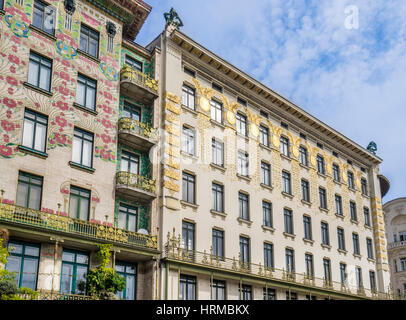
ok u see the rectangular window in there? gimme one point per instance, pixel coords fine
(188, 187)
(268, 256)
(265, 174)
(188, 239)
(188, 97)
(367, 217)
(89, 41)
(309, 266)
(323, 198)
(243, 200)
(355, 242)
(284, 147)
(372, 281)
(218, 290)
(267, 214)
(82, 150)
(350, 176)
(291, 295)
(241, 125)
(187, 290)
(133, 63)
(244, 251)
(358, 277)
(128, 217)
(39, 72)
(217, 87)
(29, 191)
(370, 249)
(218, 243)
(129, 273)
(75, 266)
(343, 273)
(188, 140)
(307, 224)
(43, 17)
(131, 111)
(341, 239)
(216, 111)
(339, 205)
(35, 130)
(286, 185)
(336, 172)
(245, 292)
(23, 261)
(189, 72)
(403, 264)
(288, 220)
(130, 162)
(320, 164)
(353, 211)
(243, 163)
(269, 294)
(86, 92)
(79, 203)
(364, 187)
(325, 239)
(290, 263)
(327, 272)
(303, 155)
(217, 152)
(305, 190)
(264, 135)
(218, 197)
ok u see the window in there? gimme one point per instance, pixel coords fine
(218, 197)
(216, 111)
(82, 151)
(188, 187)
(39, 72)
(336, 172)
(75, 266)
(265, 174)
(218, 290)
(243, 163)
(358, 277)
(243, 205)
(284, 147)
(187, 290)
(241, 124)
(350, 176)
(343, 273)
(188, 239)
(29, 191)
(327, 272)
(218, 243)
(245, 292)
(188, 97)
(309, 265)
(367, 217)
(130, 162)
(310, 297)
(127, 217)
(364, 187)
(189, 72)
(131, 111)
(79, 203)
(244, 251)
(23, 260)
(325, 239)
(1, 4)
(35, 130)
(217, 87)
(341, 240)
(188, 140)
(264, 135)
(286, 186)
(291, 295)
(44, 17)
(217, 152)
(395, 265)
(129, 272)
(86, 92)
(284, 125)
(307, 224)
(322, 198)
(320, 164)
(269, 294)
(268, 256)
(303, 155)
(242, 102)
(133, 63)
(267, 214)
(305, 190)
(355, 242)
(353, 211)
(403, 264)
(339, 205)
(290, 264)
(288, 220)
(372, 281)
(370, 251)
(89, 41)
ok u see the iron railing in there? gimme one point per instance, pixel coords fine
(138, 128)
(396, 244)
(141, 79)
(136, 181)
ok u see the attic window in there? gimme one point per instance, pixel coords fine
(217, 87)
(189, 72)
(242, 102)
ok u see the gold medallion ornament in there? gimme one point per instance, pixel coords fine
(204, 104)
(230, 117)
(254, 130)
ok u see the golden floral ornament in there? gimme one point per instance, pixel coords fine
(230, 116)
(204, 104)
(254, 130)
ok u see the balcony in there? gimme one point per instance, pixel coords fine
(175, 253)
(137, 134)
(57, 224)
(138, 85)
(397, 244)
(134, 186)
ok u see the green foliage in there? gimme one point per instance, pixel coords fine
(102, 281)
(28, 291)
(8, 287)
(4, 274)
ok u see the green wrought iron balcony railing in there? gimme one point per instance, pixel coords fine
(142, 136)
(134, 185)
(139, 83)
(56, 223)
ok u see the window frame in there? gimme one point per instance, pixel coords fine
(187, 93)
(90, 36)
(87, 83)
(81, 134)
(40, 62)
(35, 119)
(80, 197)
(42, 6)
(189, 181)
(29, 184)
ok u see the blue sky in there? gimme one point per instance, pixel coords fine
(351, 79)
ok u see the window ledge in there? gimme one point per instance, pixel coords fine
(266, 186)
(242, 136)
(324, 209)
(247, 222)
(192, 111)
(286, 157)
(308, 241)
(289, 235)
(337, 182)
(365, 196)
(89, 56)
(218, 167)
(214, 122)
(352, 189)
(244, 177)
(371, 260)
(326, 246)
(189, 204)
(285, 194)
(263, 146)
(33, 152)
(304, 166)
(342, 251)
(341, 216)
(354, 221)
(42, 32)
(306, 202)
(266, 228)
(368, 227)
(323, 175)
(29, 85)
(2, 11)
(357, 255)
(84, 109)
(81, 167)
(218, 213)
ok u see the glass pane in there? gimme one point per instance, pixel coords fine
(22, 194)
(82, 258)
(80, 94)
(122, 220)
(35, 198)
(68, 256)
(73, 207)
(87, 153)
(134, 167)
(45, 77)
(130, 287)
(90, 98)
(28, 133)
(40, 135)
(15, 248)
(30, 273)
(14, 265)
(83, 42)
(84, 209)
(80, 277)
(37, 20)
(93, 47)
(33, 70)
(132, 223)
(66, 279)
(77, 149)
(31, 251)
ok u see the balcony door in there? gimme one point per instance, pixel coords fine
(131, 111)
(130, 162)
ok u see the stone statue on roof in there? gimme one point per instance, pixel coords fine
(372, 147)
(172, 18)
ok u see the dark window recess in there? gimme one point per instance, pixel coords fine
(189, 72)
(217, 87)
